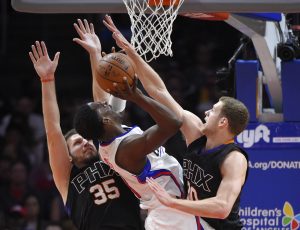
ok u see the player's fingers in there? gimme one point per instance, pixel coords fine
(152, 185)
(119, 91)
(35, 53)
(103, 53)
(149, 181)
(107, 19)
(125, 80)
(86, 26)
(121, 41)
(92, 28)
(135, 83)
(81, 26)
(78, 30)
(56, 57)
(111, 21)
(118, 88)
(44, 48)
(108, 26)
(136, 77)
(32, 57)
(78, 41)
(153, 182)
(113, 49)
(39, 48)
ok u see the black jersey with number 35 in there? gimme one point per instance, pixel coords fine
(202, 177)
(98, 199)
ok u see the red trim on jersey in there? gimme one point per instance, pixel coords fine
(135, 192)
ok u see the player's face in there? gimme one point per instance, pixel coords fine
(82, 150)
(101, 107)
(105, 109)
(212, 118)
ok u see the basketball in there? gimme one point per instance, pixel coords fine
(112, 68)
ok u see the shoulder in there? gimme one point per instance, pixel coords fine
(235, 160)
(130, 131)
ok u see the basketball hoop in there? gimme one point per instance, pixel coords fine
(151, 26)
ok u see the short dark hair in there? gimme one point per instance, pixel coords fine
(236, 113)
(70, 133)
(88, 123)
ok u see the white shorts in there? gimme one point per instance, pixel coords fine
(164, 218)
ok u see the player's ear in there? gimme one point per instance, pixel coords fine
(106, 120)
(223, 122)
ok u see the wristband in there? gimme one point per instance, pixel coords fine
(47, 80)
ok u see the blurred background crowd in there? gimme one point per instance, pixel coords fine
(28, 197)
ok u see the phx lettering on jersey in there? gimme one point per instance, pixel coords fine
(196, 175)
(98, 171)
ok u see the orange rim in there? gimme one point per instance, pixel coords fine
(163, 2)
(208, 16)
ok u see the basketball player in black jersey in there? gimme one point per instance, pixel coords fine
(215, 169)
(94, 196)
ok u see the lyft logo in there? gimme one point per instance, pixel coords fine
(249, 137)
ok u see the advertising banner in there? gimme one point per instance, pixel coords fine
(271, 196)
(270, 136)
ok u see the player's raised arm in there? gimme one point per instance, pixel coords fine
(155, 87)
(91, 43)
(58, 151)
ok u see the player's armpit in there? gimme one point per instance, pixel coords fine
(191, 127)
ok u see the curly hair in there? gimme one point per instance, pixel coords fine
(88, 123)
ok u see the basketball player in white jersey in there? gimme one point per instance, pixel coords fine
(137, 155)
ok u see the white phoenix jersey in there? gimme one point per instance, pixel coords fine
(167, 171)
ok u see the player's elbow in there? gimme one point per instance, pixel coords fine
(223, 210)
(224, 214)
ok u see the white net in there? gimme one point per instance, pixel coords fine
(151, 26)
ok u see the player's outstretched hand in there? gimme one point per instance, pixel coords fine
(88, 39)
(160, 193)
(117, 35)
(43, 65)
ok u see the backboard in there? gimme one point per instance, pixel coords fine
(117, 6)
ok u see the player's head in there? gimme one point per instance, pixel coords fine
(81, 151)
(228, 113)
(96, 120)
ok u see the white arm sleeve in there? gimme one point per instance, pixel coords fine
(118, 105)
